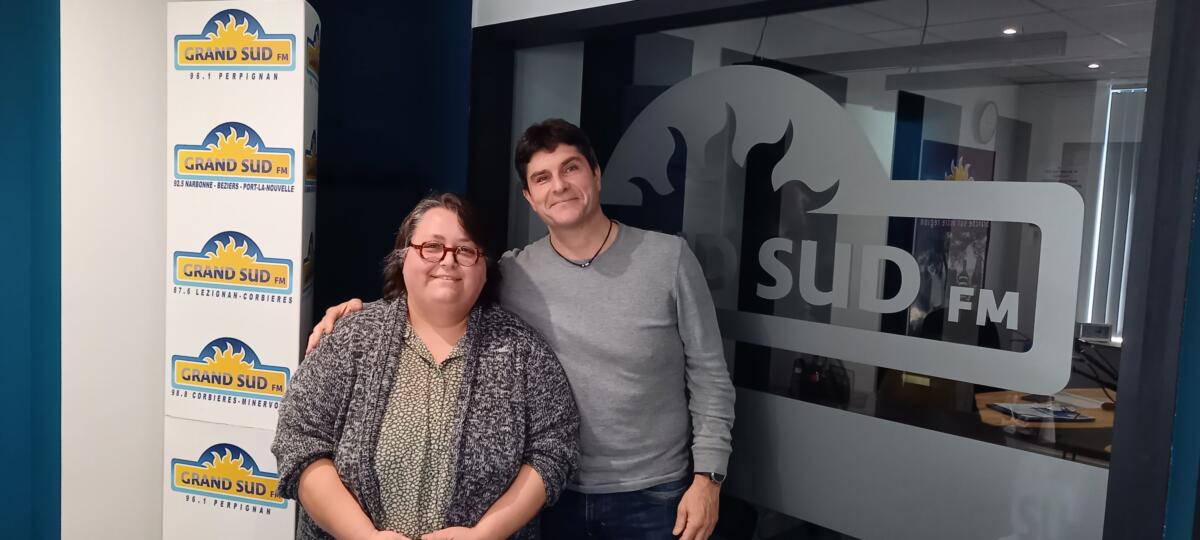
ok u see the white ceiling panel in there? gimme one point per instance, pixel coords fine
(1027, 24)
(1110, 69)
(794, 34)
(852, 19)
(901, 38)
(1059, 5)
(1096, 46)
(912, 12)
(785, 36)
(1116, 20)
(875, 26)
(1138, 41)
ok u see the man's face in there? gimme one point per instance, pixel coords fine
(561, 188)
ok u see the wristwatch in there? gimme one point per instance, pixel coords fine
(717, 478)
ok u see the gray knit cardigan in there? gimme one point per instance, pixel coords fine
(515, 408)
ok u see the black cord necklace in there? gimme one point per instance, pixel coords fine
(597, 254)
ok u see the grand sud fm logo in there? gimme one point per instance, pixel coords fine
(229, 367)
(234, 152)
(783, 159)
(233, 40)
(225, 471)
(231, 260)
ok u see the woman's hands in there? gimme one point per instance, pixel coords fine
(331, 506)
(449, 533)
(386, 535)
(455, 533)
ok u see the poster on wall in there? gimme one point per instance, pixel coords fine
(949, 252)
(242, 90)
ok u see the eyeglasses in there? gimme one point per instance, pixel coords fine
(434, 252)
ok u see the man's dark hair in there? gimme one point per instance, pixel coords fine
(546, 136)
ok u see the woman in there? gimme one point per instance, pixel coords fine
(431, 413)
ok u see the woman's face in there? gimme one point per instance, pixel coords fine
(445, 283)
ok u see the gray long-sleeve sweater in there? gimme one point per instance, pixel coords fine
(636, 332)
(515, 408)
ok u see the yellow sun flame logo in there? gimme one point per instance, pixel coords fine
(226, 466)
(233, 146)
(232, 254)
(229, 361)
(959, 171)
(232, 34)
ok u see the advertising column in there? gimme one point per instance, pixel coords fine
(242, 80)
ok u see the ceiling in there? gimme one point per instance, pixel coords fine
(1113, 33)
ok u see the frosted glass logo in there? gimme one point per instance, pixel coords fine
(824, 203)
(871, 259)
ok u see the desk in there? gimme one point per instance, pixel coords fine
(992, 417)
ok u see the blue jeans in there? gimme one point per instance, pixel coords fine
(648, 514)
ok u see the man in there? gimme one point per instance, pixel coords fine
(630, 317)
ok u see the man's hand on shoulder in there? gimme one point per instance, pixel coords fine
(325, 326)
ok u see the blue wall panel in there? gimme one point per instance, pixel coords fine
(392, 117)
(29, 270)
(1185, 445)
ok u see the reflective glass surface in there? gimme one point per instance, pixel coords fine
(914, 218)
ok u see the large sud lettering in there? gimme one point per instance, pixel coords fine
(871, 259)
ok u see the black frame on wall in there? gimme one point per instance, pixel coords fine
(1140, 465)
(1157, 280)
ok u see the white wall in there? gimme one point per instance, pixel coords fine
(113, 278)
(1067, 113)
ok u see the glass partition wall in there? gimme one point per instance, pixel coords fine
(915, 218)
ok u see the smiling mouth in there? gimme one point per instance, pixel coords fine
(556, 203)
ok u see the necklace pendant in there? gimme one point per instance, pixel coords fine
(594, 255)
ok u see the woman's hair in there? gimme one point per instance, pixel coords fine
(393, 264)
